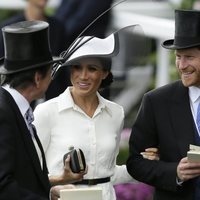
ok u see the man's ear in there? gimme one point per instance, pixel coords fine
(37, 79)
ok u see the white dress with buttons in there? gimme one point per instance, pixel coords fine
(61, 124)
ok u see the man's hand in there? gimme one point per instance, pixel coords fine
(55, 190)
(187, 170)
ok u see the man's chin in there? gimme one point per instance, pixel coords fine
(187, 83)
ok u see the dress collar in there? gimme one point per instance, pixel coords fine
(65, 101)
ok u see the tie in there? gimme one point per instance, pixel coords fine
(30, 118)
(198, 118)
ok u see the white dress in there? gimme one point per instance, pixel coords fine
(61, 124)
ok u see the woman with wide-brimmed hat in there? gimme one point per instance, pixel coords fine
(82, 118)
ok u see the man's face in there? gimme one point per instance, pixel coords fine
(188, 65)
(42, 84)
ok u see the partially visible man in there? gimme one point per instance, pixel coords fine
(25, 76)
(36, 10)
(167, 120)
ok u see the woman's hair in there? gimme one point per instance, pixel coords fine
(23, 79)
(106, 63)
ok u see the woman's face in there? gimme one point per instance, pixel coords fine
(86, 76)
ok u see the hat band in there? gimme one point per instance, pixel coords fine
(186, 41)
(20, 65)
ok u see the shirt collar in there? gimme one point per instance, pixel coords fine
(194, 93)
(65, 101)
(103, 104)
(20, 100)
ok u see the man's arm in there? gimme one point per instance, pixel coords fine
(144, 134)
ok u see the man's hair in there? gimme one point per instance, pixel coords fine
(22, 80)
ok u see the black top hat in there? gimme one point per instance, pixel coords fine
(26, 46)
(187, 30)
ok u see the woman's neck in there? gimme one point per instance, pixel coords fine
(88, 104)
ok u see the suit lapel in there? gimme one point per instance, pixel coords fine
(182, 119)
(28, 142)
(33, 154)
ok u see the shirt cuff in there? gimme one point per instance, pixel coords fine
(179, 182)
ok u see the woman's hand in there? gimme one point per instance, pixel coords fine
(151, 154)
(69, 176)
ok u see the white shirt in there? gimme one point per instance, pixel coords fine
(60, 123)
(19, 99)
(23, 106)
(194, 94)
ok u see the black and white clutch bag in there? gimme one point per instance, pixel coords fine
(77, 160)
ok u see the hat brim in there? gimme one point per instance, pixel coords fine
(3, 70)
(169, 44)
(96, 47)
(112, 46)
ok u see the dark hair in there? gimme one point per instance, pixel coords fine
(23, 79)
(106, 63)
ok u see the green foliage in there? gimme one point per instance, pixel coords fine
(50, 11)
(174, 75)
(7, 13)
(187, 4)
(122, 156)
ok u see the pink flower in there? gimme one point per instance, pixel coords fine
(134, 191)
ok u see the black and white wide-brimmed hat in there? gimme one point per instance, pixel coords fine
(26, 47)
(90, 46)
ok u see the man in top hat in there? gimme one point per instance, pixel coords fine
(25, 76)
(36, 10)
(167, 120)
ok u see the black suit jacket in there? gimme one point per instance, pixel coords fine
(21, 176)
(165, 121)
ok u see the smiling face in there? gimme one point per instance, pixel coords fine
(188, 65)
(86, 76)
